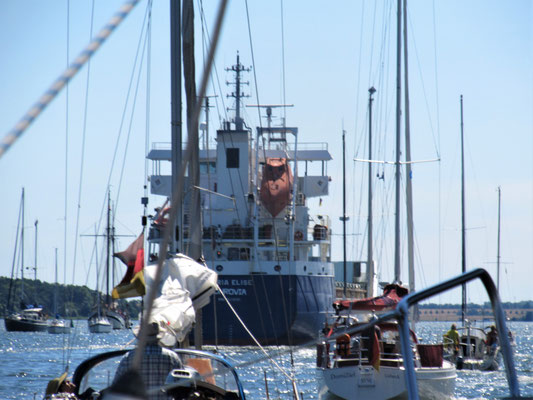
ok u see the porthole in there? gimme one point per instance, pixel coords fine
(219, 268)
(277, 268)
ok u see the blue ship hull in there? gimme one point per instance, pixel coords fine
(277, 309)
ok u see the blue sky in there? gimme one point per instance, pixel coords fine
(333, 53)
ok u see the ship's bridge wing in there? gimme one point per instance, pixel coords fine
(161, 152)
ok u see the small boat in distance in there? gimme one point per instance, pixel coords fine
(109, 310)
(99, 324)
(30, 318)
(97, 321)
(58, 325)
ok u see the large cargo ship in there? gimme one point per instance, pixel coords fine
(271, 254)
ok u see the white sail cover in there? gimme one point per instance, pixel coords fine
(184, 287)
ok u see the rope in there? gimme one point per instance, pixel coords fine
(253, 337)
(58, 85)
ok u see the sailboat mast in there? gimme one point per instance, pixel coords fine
(398, 143)
(35, 265)
(370, 263)
(408, 182)
(498, 251)
(22, 250)
(55, 291)
(97, 272)
(344, 210)
(176, 120)
(463, 218)
(108, 244)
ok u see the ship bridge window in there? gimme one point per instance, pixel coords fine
(232, 158)
(208, 167)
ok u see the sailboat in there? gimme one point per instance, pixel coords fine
(30, 318)
(98, 322)
(117, 318)
(473, 352)
(57, 325)
(369, 364)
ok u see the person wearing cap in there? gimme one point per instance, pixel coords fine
(60, 385)
(156, 363)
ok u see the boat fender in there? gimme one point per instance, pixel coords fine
(459, 363)
(343, 345)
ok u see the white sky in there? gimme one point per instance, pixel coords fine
(483, 51)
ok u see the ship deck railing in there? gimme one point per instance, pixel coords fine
(401, 315)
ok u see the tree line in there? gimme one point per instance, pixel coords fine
(72, 301)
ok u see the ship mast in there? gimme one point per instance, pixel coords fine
(237, 94)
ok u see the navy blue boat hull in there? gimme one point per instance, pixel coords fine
(22, 325)
(277, 309)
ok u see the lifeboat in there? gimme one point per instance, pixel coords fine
(276, 185)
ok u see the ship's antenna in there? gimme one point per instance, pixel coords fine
(237, 94)
(269, 108)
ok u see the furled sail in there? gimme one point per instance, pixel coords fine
(276, 185)
(392, 294)
(185, 286)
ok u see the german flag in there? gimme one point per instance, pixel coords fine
(132, 285)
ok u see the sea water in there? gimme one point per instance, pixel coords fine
(28, 360)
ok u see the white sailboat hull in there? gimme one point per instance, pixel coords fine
(59, 327)
(101, 325)
(364, 382)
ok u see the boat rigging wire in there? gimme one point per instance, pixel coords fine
(82, 157)
(206, 42)
(132, 107)
(66, 358)
(268, 357)
(148, 104)
(136, 64)
(439, 223)
(58, 85)
(284, 101)
(179, 188)
(254, 71)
